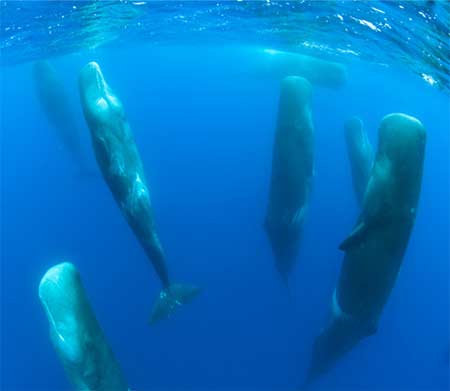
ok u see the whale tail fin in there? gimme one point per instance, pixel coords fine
(171, 298)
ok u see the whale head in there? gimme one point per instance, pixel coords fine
(75, 333)
(354, 130)
(55, 293)
(99, 102)
(295, 92)
(401, 138)
(72, 331)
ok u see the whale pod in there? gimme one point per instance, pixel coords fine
(120, 163)
(75, 333)
(360, 155)
(375, 248)
(292, 172)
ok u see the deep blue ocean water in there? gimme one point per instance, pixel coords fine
(205, 136)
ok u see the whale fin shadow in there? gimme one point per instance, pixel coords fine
(171, 298)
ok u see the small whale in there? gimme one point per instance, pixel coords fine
(75, 333)
(360, 155)
(55, 104)
(292, 173)
(119, 161)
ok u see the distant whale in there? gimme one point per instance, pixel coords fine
(292, 172)
(75, 333)
(360, 155)
(280, 64)
(121, 166)
(374, 250)
(55, 104)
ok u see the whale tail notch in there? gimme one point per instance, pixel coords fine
(171, 298)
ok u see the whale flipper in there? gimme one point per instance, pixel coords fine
(171, 298)
(381, 235)
(355, 237)
(368, 224)
(362, 230)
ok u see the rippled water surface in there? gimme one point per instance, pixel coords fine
(413, 33)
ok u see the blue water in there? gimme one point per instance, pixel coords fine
(205, 137)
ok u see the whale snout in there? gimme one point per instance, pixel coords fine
(92, 74)
(54, 277)
(98, 100)
(402, 138)
(353, 129)
(92, 82)
(56, 291)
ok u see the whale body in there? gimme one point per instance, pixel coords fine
(292, 172)
(120, 163)
(375, 248)
(75, 333)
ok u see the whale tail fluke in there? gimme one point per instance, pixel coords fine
(170, 299)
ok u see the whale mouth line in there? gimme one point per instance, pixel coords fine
(50, 315)
(61, 328)
(54, 284)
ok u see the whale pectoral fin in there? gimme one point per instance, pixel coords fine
(355, 237)
(364, 227)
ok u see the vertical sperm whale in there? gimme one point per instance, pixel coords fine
(119, 161)
(292, 172)
(375, 248)
(75, 333)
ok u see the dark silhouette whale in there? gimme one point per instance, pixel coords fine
(55, 103)
(292, 172)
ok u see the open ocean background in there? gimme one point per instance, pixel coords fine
(204, 128)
